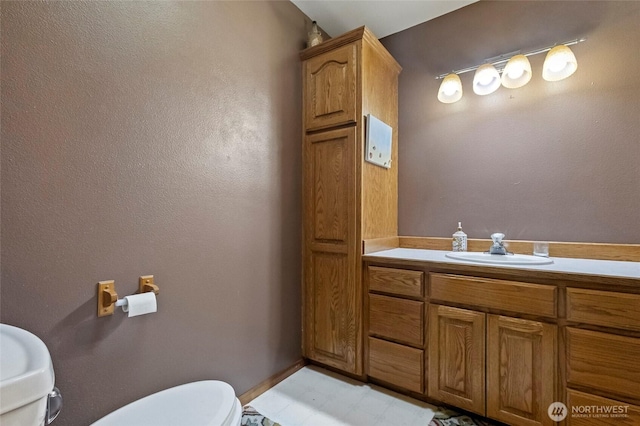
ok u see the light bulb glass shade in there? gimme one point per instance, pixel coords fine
(517, 72)
(559, 64)
(450, 89)
(486, 80)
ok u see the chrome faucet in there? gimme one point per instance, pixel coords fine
(498, 245)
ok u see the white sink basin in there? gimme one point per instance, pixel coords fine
(26, 375)
(499, 259)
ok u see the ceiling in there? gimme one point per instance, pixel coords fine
(383, 18)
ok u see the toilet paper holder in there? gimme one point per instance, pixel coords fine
(108, 297)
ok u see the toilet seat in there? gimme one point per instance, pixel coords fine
(205, 403)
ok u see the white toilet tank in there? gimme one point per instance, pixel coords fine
(205, 403)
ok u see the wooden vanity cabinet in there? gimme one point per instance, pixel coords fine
(519, 355)
(345, 199)
(504, 348)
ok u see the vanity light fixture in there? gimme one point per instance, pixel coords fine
(560, 63)
(451, 89)
(517, 72)
(486, 80)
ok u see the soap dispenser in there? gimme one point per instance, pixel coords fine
(459, 239)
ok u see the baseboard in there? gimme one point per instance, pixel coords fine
(267, 384)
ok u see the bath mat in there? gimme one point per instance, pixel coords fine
(250, 417)
(447, 417)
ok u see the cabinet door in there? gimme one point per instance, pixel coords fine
(457, 357)
(332, 308)
(330, 88)
(521, 370)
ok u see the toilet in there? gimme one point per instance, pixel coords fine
(204, 403)
(28, 396)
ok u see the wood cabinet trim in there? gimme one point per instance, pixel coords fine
(378, 244)
(361, 33)
(333, 43)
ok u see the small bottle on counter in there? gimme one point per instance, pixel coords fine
(459, 239)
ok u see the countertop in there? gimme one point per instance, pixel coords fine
(608, 268)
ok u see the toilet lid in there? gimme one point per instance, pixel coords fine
(205, 403)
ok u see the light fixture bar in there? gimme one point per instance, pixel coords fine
(500, 59)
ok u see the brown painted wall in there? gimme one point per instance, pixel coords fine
(550, 161)
(152, 138)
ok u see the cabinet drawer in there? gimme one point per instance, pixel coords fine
(591, 410)
(609, 309)
(604, 362)
(397, 319)
(396, 364)
(397, 281)
(523, 298)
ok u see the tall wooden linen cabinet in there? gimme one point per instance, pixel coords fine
(345, 199)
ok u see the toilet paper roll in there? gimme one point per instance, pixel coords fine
(140, 304)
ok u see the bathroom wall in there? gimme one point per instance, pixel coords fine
(152, 138)
(550, 161)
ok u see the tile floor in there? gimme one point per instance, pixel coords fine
(316, 397)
